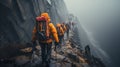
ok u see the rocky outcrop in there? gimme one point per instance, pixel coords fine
(17, 17)
(69, 55)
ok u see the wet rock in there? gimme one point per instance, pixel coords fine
(73, 57)
(61, 52)
(76, 65)
(73, 65)
(20, 60)
(60, 64)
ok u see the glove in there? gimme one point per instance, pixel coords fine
(56, 43)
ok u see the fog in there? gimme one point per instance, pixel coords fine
(101, 21)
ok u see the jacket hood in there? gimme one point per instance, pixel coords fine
(47, 17)
(58, 24)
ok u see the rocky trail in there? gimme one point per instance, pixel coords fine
(66, 56)
(17, 19)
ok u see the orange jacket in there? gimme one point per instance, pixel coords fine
(52, 30)
(61, 29)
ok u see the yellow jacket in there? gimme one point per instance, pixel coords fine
(64, 27)
(52, 30)
(61, 29)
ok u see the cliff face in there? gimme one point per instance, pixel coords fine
(86, 38)
(17, 17)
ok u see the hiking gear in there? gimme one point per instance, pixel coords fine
(59, 30)
(67, 31)
(47, 18)
(45, 32)
(34, 46)
(40, 19)
(56, 43)
(46, 51)
(60, 39)
(44, 27)
(67, 26)
(54, 32)
(64, 27)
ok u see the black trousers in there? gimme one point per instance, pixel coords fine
(46, 52)
(60, 39)
(34, 46)
(67, 33)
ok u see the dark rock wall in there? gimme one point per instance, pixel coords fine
(17, 17)
(61, 14)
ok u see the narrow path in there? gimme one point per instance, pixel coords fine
(66, 56)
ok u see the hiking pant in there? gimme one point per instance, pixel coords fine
(67, 33)
(63, 42)
(60, 39)
(46, 52)
(34, 44)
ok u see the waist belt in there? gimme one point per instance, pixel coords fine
(61, 35)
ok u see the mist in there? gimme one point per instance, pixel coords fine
(101, 21)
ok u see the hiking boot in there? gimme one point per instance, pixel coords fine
(43, 64)
(47, 65)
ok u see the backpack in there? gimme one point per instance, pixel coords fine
(63, 27)
(58, 30)
(42, 30)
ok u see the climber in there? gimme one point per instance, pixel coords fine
(88, 54)
(70, 25)
(43, 32)
(67, 29)
(60, 32)
(64, 29)
(73, 24)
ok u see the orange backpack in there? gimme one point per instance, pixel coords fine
(42, 28)
(58, 30)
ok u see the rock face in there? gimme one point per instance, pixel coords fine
(17, 17)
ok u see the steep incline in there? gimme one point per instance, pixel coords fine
(17, 17)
